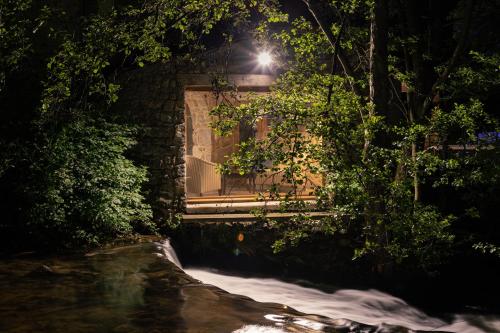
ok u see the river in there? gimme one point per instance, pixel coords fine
(143, 288)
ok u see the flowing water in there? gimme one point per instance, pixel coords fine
(366, 306)
(142, 288)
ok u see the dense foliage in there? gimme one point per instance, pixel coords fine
(65, 176)
(391, 103)
(85, 188)
(402, 170)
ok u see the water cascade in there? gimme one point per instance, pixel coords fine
(142, 288)
(370, 307)
(169, 253)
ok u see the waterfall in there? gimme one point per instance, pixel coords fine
(169, 252)
(370, 306)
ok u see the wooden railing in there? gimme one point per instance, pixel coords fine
(201, 176)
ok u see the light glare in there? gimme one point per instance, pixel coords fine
(265, 58)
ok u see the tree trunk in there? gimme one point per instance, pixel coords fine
(379, 81)
(379, 94)
(422, 96)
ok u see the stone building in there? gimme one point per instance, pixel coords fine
(171, 103)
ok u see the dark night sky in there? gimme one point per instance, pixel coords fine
(294, 8)
(245, 48)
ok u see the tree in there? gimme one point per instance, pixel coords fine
(63, 152)
(374, 148)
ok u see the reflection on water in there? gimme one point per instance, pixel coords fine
(125, 289)
(136, 289)
(102, 292)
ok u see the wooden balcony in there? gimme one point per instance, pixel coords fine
(239, 203)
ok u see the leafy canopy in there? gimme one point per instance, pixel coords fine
(324, 123)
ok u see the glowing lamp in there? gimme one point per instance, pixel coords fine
(264, 58)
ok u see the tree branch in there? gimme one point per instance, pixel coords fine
(335, 57)
(320, 13)
(459, 49)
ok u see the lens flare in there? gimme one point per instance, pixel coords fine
(265, 58)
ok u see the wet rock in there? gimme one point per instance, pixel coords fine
(42, 270)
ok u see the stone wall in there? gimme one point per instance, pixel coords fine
(153, 99)
(201, 141)
(199, 138)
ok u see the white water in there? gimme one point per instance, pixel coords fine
(169, 252)
(259, 329)
(370, 307)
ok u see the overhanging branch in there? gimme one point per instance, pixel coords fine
(322, 15)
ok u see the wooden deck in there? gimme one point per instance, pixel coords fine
(236, 204)
(237, 198)
(243, 217)
(236, 208)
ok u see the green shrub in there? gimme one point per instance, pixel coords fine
(86, 190)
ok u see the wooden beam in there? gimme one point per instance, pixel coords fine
(245, 218)
(239, 89)
(237, 198)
